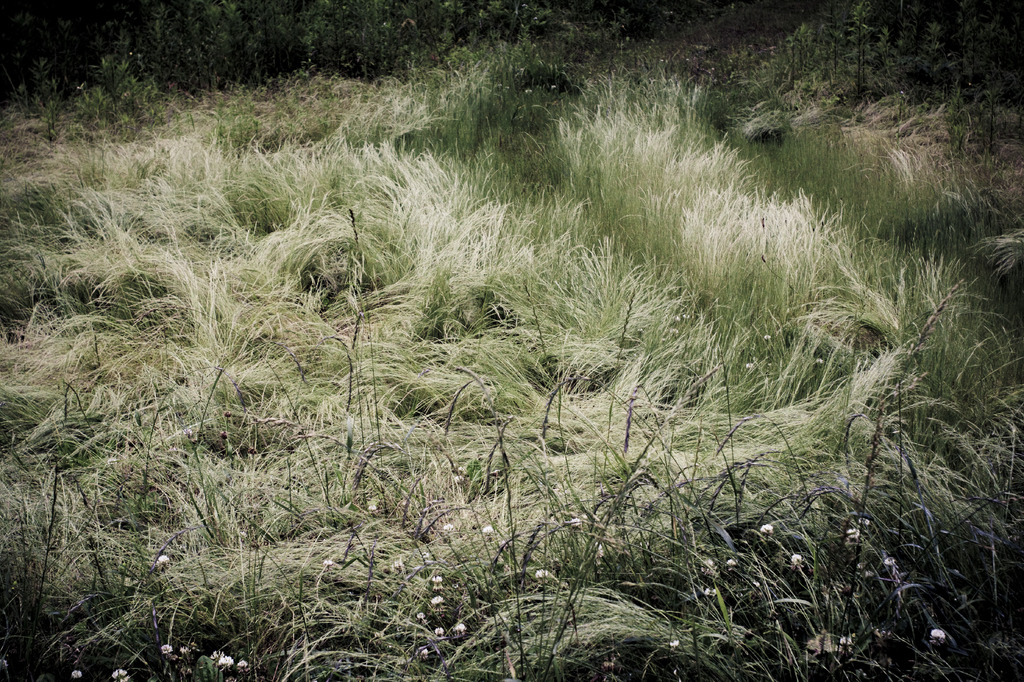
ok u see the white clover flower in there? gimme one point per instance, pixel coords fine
(678, 319)
(421, 616)
(889, 562)
(852, 536)
(162, 561)
(437, 600)
(845, 644)
(328, 563)
(437, 580)
(865, 522)
(76, 674)
(184, 650)
(767, 337)
(732, 563)
(167, 649)
(439, 632)
(225, 661)
(424, 653)
(820, 361)
(398, 565)
(937, 637)
(242, 666)
(710, 592)
(767, 529)
(542, 574)
(674, 643)
(460, 628)
(120, 674)
(371, 508)
(796, 561)
(749, 365)
(487, 530)
(447, 528)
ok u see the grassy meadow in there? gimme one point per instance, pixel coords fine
(499, 373)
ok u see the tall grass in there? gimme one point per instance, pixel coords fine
(587, 394)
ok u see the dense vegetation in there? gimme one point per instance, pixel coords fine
(523, 367)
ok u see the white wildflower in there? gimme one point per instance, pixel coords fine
(767, 529)
(76, 674)
(225, 661)
(820, 361)
(424, 653)
(767, 337)
(542, 574)
(162, 561)
(796, 561)
(845, 644)
(937, 637)
(371, 508)
(890, 562)
(460, 628)
(398, 565)
(447, 528)
(852, 536)
(167, 649)
(242, 666)
(487, 530)
(710, 592)
(439, 632)
(437, 600)
(328, 563)
(120, 674)
(421, 616)
(674, 643)
(749, 365)
(732, 563)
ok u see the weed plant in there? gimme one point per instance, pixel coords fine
(504, 375)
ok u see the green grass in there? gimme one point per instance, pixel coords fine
(559, 343)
